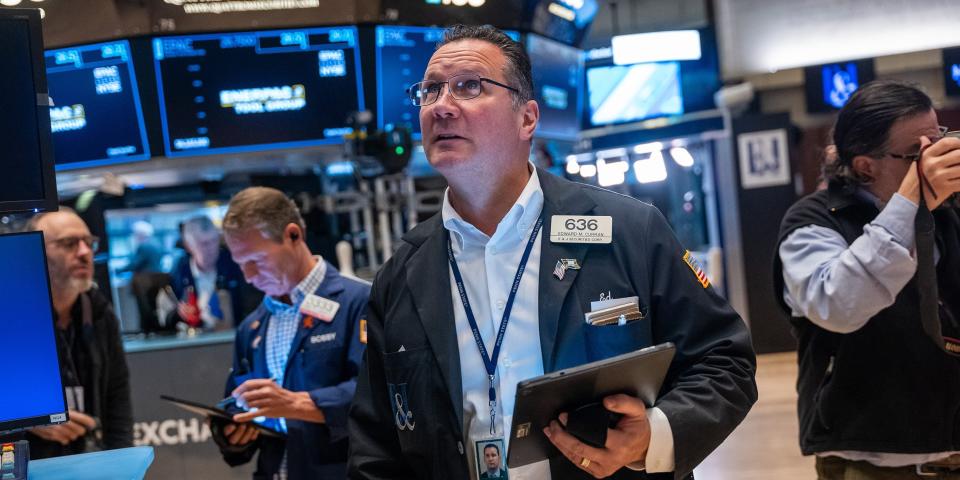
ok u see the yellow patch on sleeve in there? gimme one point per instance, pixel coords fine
(363, 331)
(697, 269)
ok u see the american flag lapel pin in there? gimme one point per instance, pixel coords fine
(563, 265)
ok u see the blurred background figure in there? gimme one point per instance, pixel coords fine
(207, 289)
(148, 254)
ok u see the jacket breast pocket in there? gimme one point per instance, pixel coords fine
(321, 363)
(611, 340)
(409, 385)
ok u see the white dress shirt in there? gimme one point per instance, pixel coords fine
(488, 266)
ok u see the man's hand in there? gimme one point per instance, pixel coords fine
(240, 433)
(941, 167)
(274, 401)
(626, 444)
(65, 433)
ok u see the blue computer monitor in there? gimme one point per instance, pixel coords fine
(26, 162)
(627, 93)
(402, 55)
(236, 92)
(30, 374)
(557, 73)
(96, 118)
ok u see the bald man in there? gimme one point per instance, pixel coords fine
(92, 362)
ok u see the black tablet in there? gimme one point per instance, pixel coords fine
(212, 411)
(539, 400)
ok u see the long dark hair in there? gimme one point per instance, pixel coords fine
(863, 125)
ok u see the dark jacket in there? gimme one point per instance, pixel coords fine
(244, 299)
(324, 366)
(102, 367)
(885, 387)
(708, 390)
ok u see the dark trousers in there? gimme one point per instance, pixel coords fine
(835, 468)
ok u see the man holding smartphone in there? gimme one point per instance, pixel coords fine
(297, 356)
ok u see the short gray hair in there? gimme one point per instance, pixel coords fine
(265, 209)
(517, 72)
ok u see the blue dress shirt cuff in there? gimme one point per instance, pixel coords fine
(897, 219)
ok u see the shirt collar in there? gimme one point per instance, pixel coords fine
(308, 285)
(518, 220)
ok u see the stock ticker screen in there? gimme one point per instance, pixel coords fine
(235, 92)
(557, 73)
(96, 118)
(28, 347)
(402, 55)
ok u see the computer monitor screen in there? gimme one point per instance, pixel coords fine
(32, 390)
(28, 181)
(951, 71)
(96, 118)
(828, 87)
(563, 20)
(625, 93)
(557, 70)
(235, 92)
(402, 55)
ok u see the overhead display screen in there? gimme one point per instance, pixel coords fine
(96, 118)
(951, 71)
(624, 93)
(828, 87)
(563, 20)
(557, 69)
(499, 13)
(235, 92)
(402, 57)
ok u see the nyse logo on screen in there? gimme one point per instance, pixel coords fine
(764, 161)
(458, 3)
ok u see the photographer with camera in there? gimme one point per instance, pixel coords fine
(877, 397)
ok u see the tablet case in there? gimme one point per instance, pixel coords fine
(540, 400)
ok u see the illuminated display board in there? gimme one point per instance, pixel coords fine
(222, 93)
(96, 118)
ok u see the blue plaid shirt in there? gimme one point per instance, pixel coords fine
(282, 327)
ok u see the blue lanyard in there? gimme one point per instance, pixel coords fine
(490, 361)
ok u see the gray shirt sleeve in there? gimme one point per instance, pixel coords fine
(839, 287)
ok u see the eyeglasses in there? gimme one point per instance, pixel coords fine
(462, 87)
(71, 243)
(913, 157)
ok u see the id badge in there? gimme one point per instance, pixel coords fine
(491, 459)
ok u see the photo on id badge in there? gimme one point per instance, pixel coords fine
(491, 459)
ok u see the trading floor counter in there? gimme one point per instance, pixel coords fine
(190, 367)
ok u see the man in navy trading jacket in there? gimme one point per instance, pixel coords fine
(297, 356)
(440, 304)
